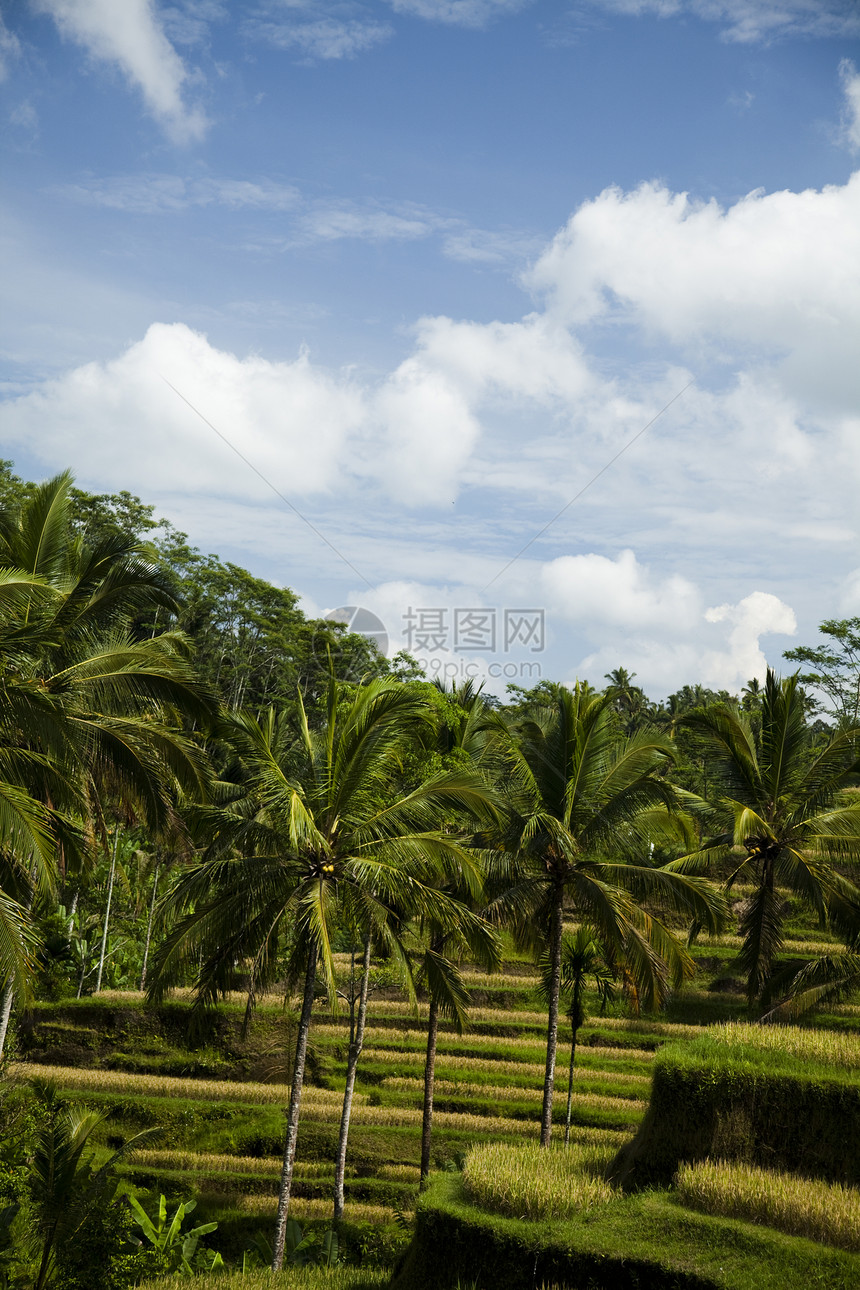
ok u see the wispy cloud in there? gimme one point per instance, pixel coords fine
(459, 13)
(851, 115)
(165, 194)
(492, 246)
(749, 21)
(131, 36)
(10, 49)
(334, 30)
(308, 220)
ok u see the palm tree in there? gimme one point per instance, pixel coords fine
(582, 958)
(88, 713)
(321, 829)
(582, 806)
(781, 825)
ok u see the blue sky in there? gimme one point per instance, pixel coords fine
(430, 265)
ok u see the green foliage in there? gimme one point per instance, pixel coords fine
(104, 1252)
(175, 1249)
(834, 667)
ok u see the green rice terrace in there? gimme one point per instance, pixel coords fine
(504, 1213)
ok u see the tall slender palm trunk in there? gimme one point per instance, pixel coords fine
(107, 909)
(149, 927)
(5, 1014)
(355, 1047)
(429, 1083)
(575, 1011)
(552, 1024)
(293, 1115)
(9, 992)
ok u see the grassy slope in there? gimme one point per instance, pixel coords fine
(647, 1241)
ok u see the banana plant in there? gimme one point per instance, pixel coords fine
(176, 1247)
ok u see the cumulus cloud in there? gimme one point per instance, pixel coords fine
(777, 272)
(137, 427)
(742, 496)
(619, 593)
(749, 21)
(131, 36)
(851, 87)
(755, 616)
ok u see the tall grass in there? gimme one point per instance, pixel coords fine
(826, 1212)
(529, 1181)
(289, 1279)
(833, 1048)
(387, 1040)
(208, 1090)
(492, 1066)
(304, 1208)
(214, 1162)
(512, 1093)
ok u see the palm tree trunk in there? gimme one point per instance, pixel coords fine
(9, 992)
(149, 927)
(429, 1081)
(5, 1014)
(355, 1048)
(552, 1025)
(107, 910)
(569, 1090)
(293, 1117)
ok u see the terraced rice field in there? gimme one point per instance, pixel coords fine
(219, 1103)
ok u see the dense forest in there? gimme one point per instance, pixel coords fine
(194, 799)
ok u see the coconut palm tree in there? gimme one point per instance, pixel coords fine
(582, 959)
(320, 829)
(582, 805)
(780, 823)
(88, 713)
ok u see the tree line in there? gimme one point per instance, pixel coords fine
(176, 748)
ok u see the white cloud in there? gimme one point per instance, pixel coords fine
(459, 13)
(777, 273)
(138, 428)
(851, 88)
(753, 20)
(743, 496)
(10, 49)
(327, 38)
(618, 593)
(131, 36)
(751, 618)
